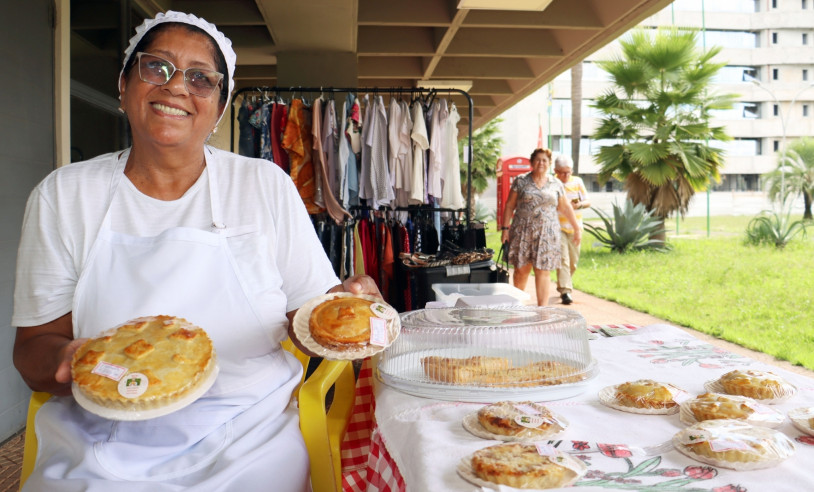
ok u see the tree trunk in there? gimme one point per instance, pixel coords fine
(807, 206)
(576, 113)
(662, 236)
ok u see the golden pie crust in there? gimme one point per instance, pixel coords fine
(499, 418)
(712, 406)
(498, 372)
(645, 393)
(758, 443)
(341, 323)
(176, 356)
(760, 385)
(519, 465)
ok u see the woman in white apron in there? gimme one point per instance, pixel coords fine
(171, 226)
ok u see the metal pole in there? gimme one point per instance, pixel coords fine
(704, 44)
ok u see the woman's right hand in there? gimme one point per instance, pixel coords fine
(504, 236)
(63, 372)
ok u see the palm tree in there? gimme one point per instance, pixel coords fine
(795, 173)
(657, 112)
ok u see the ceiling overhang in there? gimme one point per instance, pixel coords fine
(504, 54)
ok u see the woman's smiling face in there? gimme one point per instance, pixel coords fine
(541, 162)
(168, 115)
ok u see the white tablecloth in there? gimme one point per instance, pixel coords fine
(426, 439)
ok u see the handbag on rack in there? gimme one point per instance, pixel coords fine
(502, 263)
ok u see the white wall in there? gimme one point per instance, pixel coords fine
(26, 156)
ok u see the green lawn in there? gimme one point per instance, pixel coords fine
(760, 298)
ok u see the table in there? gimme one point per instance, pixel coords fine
(424, 439)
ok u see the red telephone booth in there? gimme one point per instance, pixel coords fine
(508, 168)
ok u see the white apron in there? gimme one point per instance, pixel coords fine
(241, 435)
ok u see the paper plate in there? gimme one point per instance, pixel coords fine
(764, 416)
(799, 417)
(303, 332)
(464, 469)
(130, 415)
(607, 396)
(715, 386)
(473, 426)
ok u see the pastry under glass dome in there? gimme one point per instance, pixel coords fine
(486, 354)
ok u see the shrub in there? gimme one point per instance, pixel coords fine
(773, 228)
(631, 229)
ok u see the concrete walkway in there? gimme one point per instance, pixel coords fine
(598, 311)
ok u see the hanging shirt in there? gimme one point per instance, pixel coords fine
(297, 141)
(451, 175)
(437, 142)
(420, 144)
(365, 188)
(377, 143)
(279, 116)
(330, 133)
(347, 156)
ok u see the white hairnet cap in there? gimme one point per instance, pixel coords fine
(224, 44)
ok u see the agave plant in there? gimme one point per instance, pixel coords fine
(773, 228)
(632, 228)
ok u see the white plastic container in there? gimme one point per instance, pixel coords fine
(482, 354)
(450, 293)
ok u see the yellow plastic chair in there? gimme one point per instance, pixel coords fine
(323, 427)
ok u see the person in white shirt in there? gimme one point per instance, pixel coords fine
(173, 227)
(577, 196)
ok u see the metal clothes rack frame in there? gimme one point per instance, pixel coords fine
(431, 92)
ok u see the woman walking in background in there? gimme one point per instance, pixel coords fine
(534, 235)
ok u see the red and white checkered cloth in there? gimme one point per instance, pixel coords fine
(366, 464)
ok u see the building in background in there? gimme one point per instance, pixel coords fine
(769, 49)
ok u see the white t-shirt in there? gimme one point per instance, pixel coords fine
(65, 212)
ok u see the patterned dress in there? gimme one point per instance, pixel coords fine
(535, 229)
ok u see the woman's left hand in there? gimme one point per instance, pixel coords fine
(577, 237)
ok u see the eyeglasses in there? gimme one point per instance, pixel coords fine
(157, 71)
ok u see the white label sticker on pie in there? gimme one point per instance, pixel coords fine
(545, 449)
(530, 421)
(110, 371)
(383, 311)
(727, 444)
(378, 332)
(527, 409)
(133, 385)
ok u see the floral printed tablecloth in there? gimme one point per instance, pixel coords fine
(426, 440)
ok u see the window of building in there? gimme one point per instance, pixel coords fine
(774, 4)
(805, 109)
(805, 38)
(776, 145)
(774, 38)
(775, 109)
(751, 110)
(775, 74)
(805, 74)
(804, 4)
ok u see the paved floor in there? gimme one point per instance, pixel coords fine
(596, 311)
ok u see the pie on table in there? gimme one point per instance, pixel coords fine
(501, 418)
(736, 442)
(712, 406)
(519, 465)
(169, 356)
(645, 393)
(341, 323)
(761, 385)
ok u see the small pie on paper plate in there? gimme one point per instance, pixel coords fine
(764, 386)
(144, 368)
(734, 444)
(521, 465)
(715, 406)
(345, 326)
(514, 421)
(803, 419)
(643, 396)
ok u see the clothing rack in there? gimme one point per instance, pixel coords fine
(430, 93)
